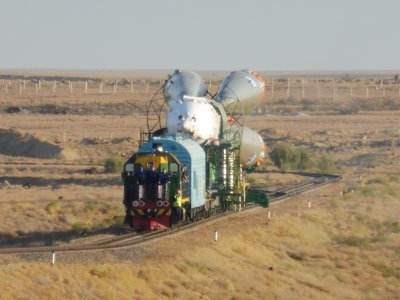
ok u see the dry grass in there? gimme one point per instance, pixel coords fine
(345, 247)
(296, 255)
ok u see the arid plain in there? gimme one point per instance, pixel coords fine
(53, 190)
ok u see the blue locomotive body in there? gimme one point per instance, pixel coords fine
(192, 162)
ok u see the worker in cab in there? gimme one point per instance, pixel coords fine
(152, 181)
(163, 180)
(177, 204)
(141, 176)
(141, 179)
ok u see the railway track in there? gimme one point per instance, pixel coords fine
(312, 181)
(275, 194)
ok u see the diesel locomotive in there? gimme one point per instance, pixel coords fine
(192, 166)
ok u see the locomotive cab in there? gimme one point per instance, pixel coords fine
(150, 181)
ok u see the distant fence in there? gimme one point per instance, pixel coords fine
(69, 86)
(328, 88)
(278, 88)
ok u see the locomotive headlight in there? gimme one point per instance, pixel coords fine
(135, 203)
(141, 203)
(159, 203)
(165, 203)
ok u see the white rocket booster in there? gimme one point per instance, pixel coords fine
(191, 112)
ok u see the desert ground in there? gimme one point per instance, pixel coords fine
(54, 190)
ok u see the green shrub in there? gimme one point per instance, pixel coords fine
(305, 159)
(326, 164)
(113, 165)
(288, 157)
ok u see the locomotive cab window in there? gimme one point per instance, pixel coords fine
(173, 168)
(129, 167)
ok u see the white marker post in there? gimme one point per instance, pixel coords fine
(269, 214)
(131, 86)
(309, 204)
(53, 258)
(216, 236)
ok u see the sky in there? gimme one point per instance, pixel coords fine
(262, 35)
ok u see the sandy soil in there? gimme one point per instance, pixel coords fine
(346, 246)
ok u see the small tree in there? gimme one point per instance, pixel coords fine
(288, 157)
(280, 154)
(305, 159)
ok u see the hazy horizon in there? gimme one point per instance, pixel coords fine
(285, 36)
(351, 73)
